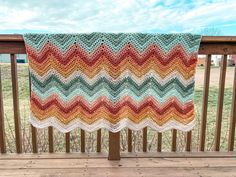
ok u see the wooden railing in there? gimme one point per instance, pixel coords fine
(14, 44)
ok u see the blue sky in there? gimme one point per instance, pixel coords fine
(209, 17)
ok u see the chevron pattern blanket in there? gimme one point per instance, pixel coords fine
(112, 81)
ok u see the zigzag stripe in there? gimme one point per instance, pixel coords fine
(79, 102)
(91, 98)
(103, 74)
(129, 88)
(109, 80)
(115, 72)
(125, 112)
(91, 41)
(115, 59)
(103, 82)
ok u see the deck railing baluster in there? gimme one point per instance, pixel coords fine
(129, 140)
(145, 139)
(50, 139)
(2, 127)
(99, 139)
(82, 140)
(174, 138)
(233, 116)
(159, 141)
(15, 93)
(205, 103)
(223, 65)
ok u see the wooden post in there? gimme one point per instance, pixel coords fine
(129, 140)
(15, 93)
(67, 135)
(50, 139)
(2, 127)
(114, 146)
(233, 116)
(82, 140)
(159, 141)
(99, 139)
(174, 138)
(205, 103)
(220, 103)
(145, 139)
(33, 129)
(188, 141)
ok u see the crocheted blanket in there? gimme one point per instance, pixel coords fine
(112, 81)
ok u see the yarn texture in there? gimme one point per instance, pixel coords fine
(112, 81)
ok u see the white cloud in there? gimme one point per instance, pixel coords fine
(115, 16)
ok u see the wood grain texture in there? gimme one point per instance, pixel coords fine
(50, 139)
(16, 111)
(99, 140)
(232, 116)
(33, 129)
(159, 141)
(114, 146)
(132, 167)
(205, 103)
(82, 140)
(145, 139)
(67, 139)
(188, 141)
(223, 65)
(2, 124)
(129, 140)
(174, 139)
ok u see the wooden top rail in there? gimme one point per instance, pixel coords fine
(224, 45)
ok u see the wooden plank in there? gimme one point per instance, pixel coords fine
(94, 155)
(174, 138)
(220, 103)
(188, 141)
(205, 103)
(99, 139)
(67, 138)
(82, 140)
(145, 139)
(209, 44)
(129, 139)
(50, 139)
(2, 127)
(159, 141)
(205, 39)
(33, 129)
(16, 111)
(232, 116)
(114, 146)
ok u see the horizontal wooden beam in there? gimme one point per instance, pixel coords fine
(223, 45)
(76, 155)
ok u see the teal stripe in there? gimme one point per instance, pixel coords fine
(103, 92)
(90, 41)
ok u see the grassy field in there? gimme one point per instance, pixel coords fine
(137, 139)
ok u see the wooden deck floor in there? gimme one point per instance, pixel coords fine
(69, 165)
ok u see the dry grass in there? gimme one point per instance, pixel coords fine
(137, 138)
